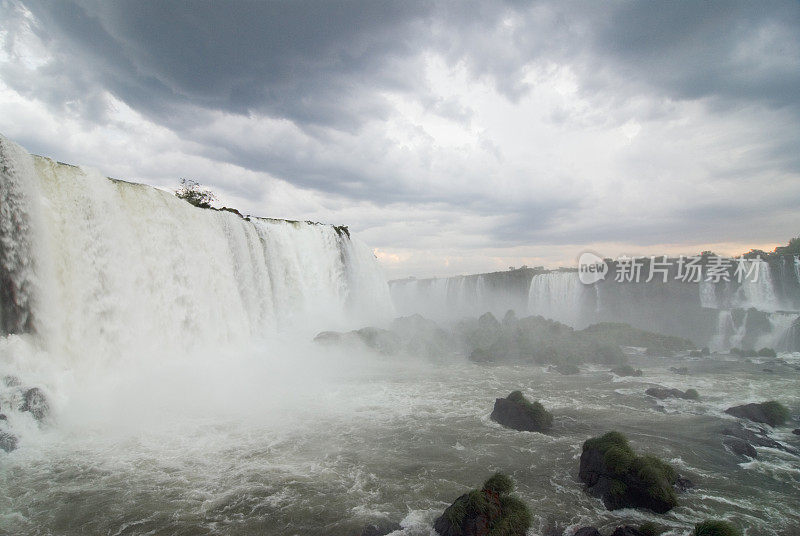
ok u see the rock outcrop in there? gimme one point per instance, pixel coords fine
(772, 413)
(611, 469)
(662, 393)
(490, 511)
(518, 413)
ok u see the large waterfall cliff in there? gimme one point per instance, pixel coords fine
(103, 267)
(762, 311)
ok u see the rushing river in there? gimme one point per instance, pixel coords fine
(328, 443)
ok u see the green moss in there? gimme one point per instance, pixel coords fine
(620, 460)
(540, 416)
(499, 483)
(716, 528)
(777, 414)
(606, 441)
(692, 394)
(457, 511)
(515, 520)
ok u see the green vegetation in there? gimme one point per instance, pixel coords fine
(692, 394)
(716, 528)
(505, 514)
(777, 414)
(542, 418)
(191, 192)
(622, 461)
(499, 483)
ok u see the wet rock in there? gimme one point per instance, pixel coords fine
(772, 413)
(518, 413)
(796, 431)
(611, 469)
(567, 369)
(3, 417)
(683, 371)
(380, 528)
(475, 512)
(626, 370)
(759, 438)
(8, 442)
(627, 530)
(587, 531)
(662, 393)
(740, 447)
(36, 403)
(683, 484)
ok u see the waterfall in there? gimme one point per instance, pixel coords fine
(559, 296)
(758, 290)
(106, 268)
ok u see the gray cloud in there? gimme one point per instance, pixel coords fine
(307, 92)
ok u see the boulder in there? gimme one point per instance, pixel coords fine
(759, 438)
(626, 370)
(518, 413)
(490, 509)
(683, 371)
(713, 527)
(611, 469)
(587, 531)
(740, 447)
(8, 442)
(627, 530)
(36, 403)
(772, 413)
(567, 369)
(796, 431)
(664, 392)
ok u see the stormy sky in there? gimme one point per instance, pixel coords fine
(453, 137)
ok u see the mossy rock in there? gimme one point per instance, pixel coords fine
(490, 511)
(772, 412)
(623, 479)
(713, 527)
(517, 412)
(767, 352)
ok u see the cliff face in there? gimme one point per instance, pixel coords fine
(721, 315)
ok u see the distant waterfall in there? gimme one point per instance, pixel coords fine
(105, 267)
(558, 295)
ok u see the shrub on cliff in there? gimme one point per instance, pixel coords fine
(194, 194)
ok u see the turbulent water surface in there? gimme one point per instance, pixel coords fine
(317, 448)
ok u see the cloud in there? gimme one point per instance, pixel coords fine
(448, 132)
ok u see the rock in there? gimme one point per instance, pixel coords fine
(713, 527)
(683, 484)
(611, 469)
(36, 403)
(3, 417)
(587, 531)
(740, 447)
(772, 413)
(627, 530)
(518, 413)
(8, 442)
(761, 439)
(796, 431)
(683, 371)
(380, 528)
(664, 392)
(626, 370)
(473, 513)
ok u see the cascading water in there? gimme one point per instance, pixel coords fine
(99, 275)
(558, 295)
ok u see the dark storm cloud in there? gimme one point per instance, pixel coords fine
(322, 70)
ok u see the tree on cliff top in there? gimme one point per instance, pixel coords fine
(191, 192)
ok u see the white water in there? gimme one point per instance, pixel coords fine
(557, 295)
(125, 293)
